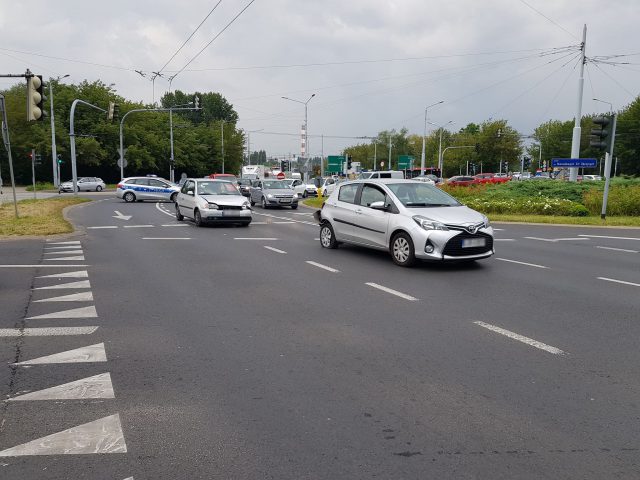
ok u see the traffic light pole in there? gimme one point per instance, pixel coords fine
(575, 141)
(7, 144)
(607, 168)
(54, 153)
(33, 172)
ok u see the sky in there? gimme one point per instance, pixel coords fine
(373, 65)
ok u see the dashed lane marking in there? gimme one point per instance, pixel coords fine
(392, 292)
(555, 240)
(618, 249)
(46, 331)
(521, 338)
(619, 281)
(282, 223)
(614, 238)
(102, 227)
(100, 436)
(74, 297)
(504, 240)
(324, 267)
(43, 266)
(164, 211)
(89, 354)
(62, 286)
(175, 225)
(62, 248)
(138, 226)
(166, 238)
(286, 218)
(82, 312)
(256, 238)
(277, 250)
(97, 386)
(521, 263)
(69, 242)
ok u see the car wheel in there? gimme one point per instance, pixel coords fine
(197, 218)
(252, 202)
(304, 194)
(264, 203)
(129, 197)
(294, 207)
(179, 216)
(327, 237)
(99, 188)
(402, 251)
(173, 197)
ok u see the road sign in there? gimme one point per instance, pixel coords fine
(280, 176)
(405, 162)
(335, 163)
(574, 162)
(125, 163)
(382, 164)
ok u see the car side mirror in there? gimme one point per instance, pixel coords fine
(380, 205)
(190, 192)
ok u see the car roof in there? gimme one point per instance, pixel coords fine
(215, 180)
(383, 181)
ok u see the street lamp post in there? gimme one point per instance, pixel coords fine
(72, 139)
(249, 132)
(172, 159)
(306, 125)
(54, 153)
(424, 136)
(441, 127)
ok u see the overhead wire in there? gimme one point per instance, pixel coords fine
(549, 19)
(612, 78)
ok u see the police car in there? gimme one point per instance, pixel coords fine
(146, 188)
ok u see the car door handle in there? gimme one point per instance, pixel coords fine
(359, 212)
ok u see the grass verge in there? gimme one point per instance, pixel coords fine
(36, 217)
(623, 221)
(315, 202)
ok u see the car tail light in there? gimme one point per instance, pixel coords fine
(119, 185)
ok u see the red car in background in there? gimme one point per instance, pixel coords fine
(491, 178)
(461, 181)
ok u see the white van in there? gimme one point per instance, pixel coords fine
(381, 174)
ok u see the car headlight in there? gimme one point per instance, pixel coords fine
(211, 206)
(246, 206)
(486, 221)
(269, 195)
(429, 224)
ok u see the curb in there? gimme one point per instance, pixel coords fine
(621, 227)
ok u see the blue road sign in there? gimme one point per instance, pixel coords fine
(574, 162)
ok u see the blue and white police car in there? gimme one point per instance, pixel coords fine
(146, 188)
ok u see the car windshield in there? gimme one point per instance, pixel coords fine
(275, 185)
(421, 195)
(217, 188)
(244, 181)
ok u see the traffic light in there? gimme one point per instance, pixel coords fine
(116, 112)
(112, 106)
(60, 161)
(284, 166)
(35, 98)
(196, 102)
(38, 159)
(600, 136)
(348, 162)
(499, 132)
(527, 162)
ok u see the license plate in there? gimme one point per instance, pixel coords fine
(473, 242)
(228, 213)
(285, 200)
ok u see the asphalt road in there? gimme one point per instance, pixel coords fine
(230, 355)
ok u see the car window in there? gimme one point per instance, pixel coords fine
(157, 183)
(347, 193)
(371, 194)
(217, 188)
(141, 181)
(330, 181)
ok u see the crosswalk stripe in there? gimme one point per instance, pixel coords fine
(100, 436)
(82, 312)
(46, 331)
(70, 242)
(98, 386)
(74, 297)
(65, 252)
(62, 286)
(89, 354)
(79, 257)
(78, 274)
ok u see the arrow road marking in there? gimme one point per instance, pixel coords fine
(120, 216)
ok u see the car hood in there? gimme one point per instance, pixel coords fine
(237, 200)
(460, 215)
(278, 191)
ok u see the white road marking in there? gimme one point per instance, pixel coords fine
(521, 338)
(503, 240)
(82, 312)
(520, 263)
(120, 216)
(80, 284)
(281, 223)
(316, 239)
(65, 259)
(166, 238)
(100, 436)
(102, 227)
(618, 249)
(46, 331)
(74, 297)
(619, 281)
(498, 229)
(254, 238)
(302, 213)
(98, 386)
(43, 266)
(164, 211)
(78, 274)
(615, 238)
(62, 248)
(324, 267)
(554, 240)
(285, 218)
(138, 226)
(70, 242)
(175, 225)
(393, 292)
(89, 354)
(274, 249)
(260, 223)
(66, 252)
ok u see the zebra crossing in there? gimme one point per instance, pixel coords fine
(65, 298)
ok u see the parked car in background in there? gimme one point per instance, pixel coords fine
(146, 188)
(224, 176)
(461, 181)
(84, 184)
(212, 201)
(491, 178)
(302, 189)
(273, 193)
(410, 220)
(591, 178)
(430, 179)
(381, 174)
(244, 186)
(541, 176)
(326, 185)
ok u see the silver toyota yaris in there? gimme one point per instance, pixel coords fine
(409, 219)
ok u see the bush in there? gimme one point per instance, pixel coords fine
(624, 199)
(41, 186)
(530, 206)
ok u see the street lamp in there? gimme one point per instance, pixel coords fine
(54, 155)
(306, 128)
(424, 137)
(171, 159)
(604, 101)
(249, 132)
(441, 127)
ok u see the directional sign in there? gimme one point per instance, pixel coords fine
(405, 162)
(574, 162)
(335, 163)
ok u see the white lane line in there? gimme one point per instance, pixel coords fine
(503, 240)
(166, 238)
(175, 225)
(138, 226)
(277, 250)
(46, 331)
(260, 223)
(615, 238)
(44, 266)
(554, 240)
(618, 249)
(324, 267)
(619, 281)
(285, 218)
(62, 249)
(254, 238)
(97, 386)
(521, 338)
(393, 292)
(316, 239)
(163, 211)
(89, 354)
(102, 227)
(302, 213)
(70, 242)
(282, 223)
(520, 263)
(498, 229)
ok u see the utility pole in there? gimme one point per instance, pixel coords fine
(575, 141)
(390, 152)
(375, 155)
(54, 153)
(33, 172)
(171, 157)
(607, 168)
(321, 157)
(7, 145)
(222, 136)
(424, 137)
(72, 138)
